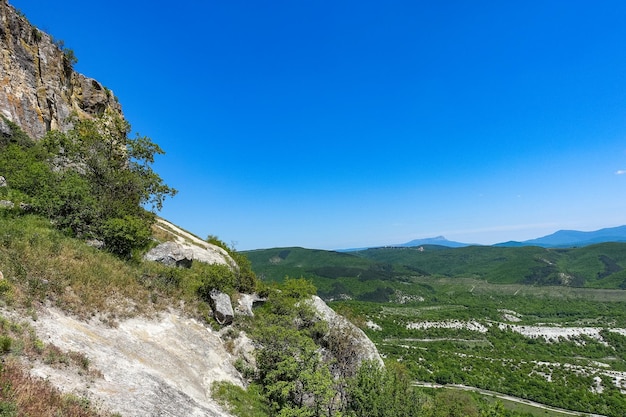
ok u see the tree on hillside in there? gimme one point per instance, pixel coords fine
(93, 180)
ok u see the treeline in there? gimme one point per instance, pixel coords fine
(373, 274)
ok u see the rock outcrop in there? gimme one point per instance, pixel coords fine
(221, 306)
(201, 250)
(345, 340)
(39, 90)
(171, 254)
(246, 303)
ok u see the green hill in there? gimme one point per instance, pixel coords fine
(335, 274)
(375, 274)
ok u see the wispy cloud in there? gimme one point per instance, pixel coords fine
(620, 172)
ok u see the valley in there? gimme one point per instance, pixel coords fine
(468, 324)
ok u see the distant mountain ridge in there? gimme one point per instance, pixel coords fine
(437, 240)
(558, 239)
(573, 238)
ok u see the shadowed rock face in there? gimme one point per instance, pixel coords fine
(39, 90)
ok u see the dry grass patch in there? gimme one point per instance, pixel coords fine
(24, 395)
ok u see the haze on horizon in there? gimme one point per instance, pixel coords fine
(347, 124)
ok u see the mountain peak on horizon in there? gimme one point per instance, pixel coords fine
(437, 240)
(558, 239)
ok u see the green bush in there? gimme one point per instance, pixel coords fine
(248, 403)
(216, 276)
(298, 288)
(5, 344)
(122, 235)
(69, 203)
(246, 278)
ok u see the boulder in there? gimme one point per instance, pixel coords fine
(3, 181)
(172, 254)
(202, 251)
(222, 307)
(6, 204)
(246, 302)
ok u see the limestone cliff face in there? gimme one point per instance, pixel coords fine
(39, 90)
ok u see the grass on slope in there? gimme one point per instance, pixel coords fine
(41, 264)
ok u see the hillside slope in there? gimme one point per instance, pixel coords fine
(378, 274)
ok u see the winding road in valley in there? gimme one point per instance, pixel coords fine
(505, 397)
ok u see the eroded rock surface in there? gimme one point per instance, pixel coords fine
(149, 367)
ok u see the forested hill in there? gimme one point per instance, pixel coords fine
(374, 273)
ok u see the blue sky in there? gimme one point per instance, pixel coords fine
(336, 124)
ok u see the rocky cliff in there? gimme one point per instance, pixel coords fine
(39, 90)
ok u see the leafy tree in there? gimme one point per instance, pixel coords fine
(90, 181)
(380, 392)
(119, 168)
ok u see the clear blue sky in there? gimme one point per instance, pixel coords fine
(335, 124)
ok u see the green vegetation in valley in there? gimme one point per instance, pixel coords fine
(469, 341)
(294, 376)
(442, 285)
